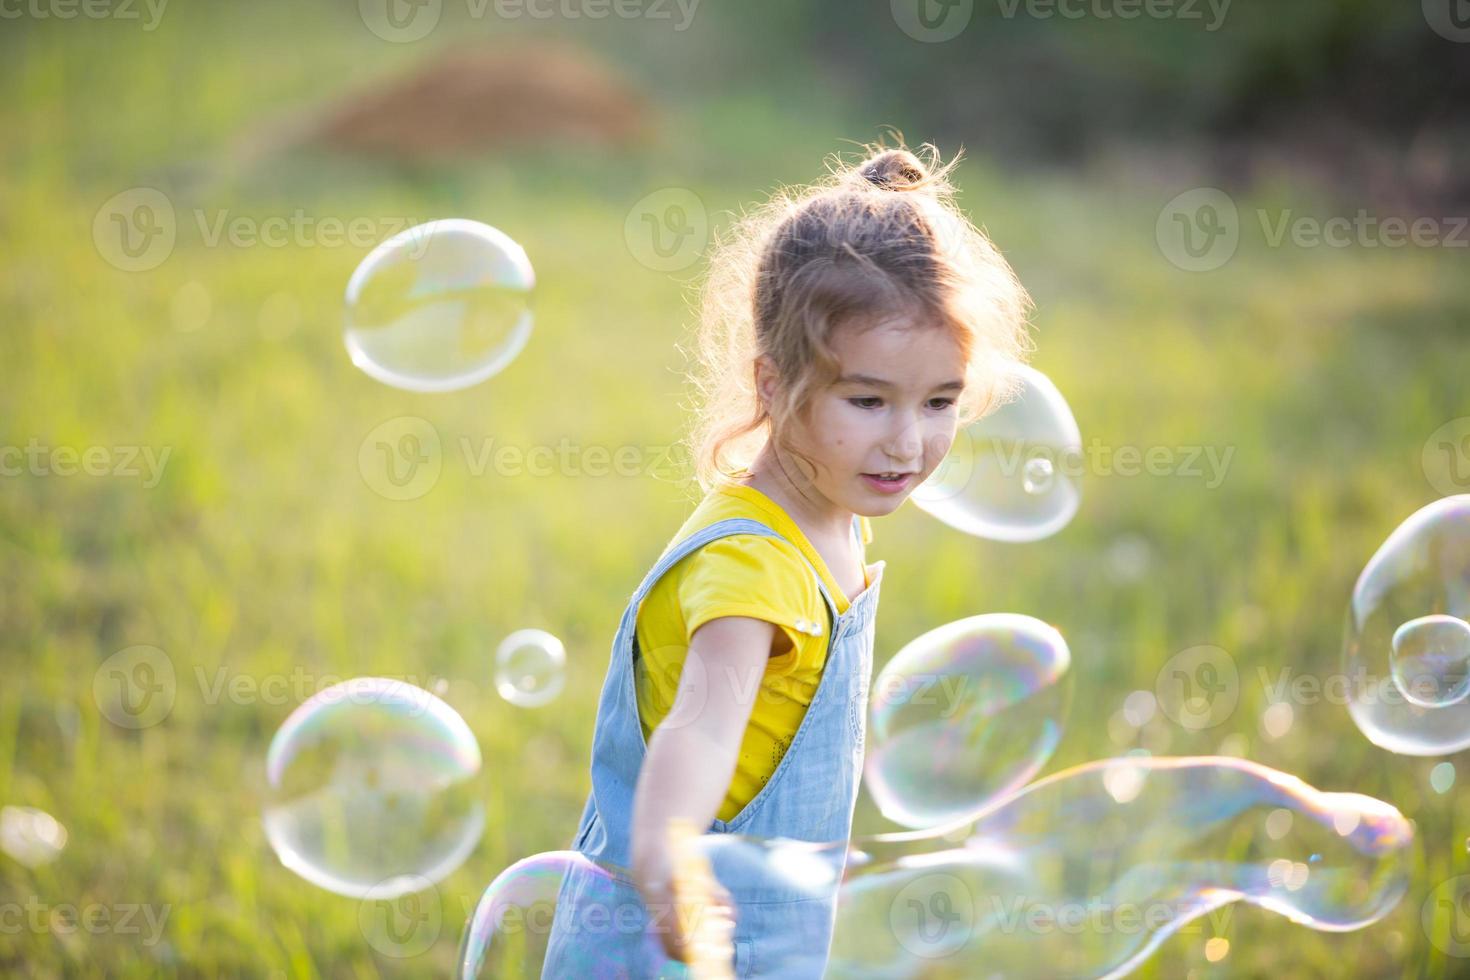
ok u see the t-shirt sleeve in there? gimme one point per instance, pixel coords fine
(759, 577)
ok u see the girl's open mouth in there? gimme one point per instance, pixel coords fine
(893, 483)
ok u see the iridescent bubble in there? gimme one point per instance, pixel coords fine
(373, 789)
(1430, 660)
(1085, 873)
(963, 714)
(1012, 475)
(530, 668)
(1404, 650)
(31, 836)
(440, 306)
(561, 914)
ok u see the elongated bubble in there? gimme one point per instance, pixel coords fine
(1406, 647)
(1085, 873)
(1012, 475)
(963, 714)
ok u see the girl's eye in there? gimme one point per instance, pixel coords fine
(866, 402)
(940, 404)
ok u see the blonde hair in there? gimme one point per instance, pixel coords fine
(864, 243)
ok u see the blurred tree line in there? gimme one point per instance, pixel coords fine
(1328, 78)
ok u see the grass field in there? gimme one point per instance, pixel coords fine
(262, 556)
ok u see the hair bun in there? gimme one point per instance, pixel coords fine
(895, 170)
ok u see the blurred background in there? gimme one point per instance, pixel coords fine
(1243, 226)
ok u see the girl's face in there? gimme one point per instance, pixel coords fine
(892, 411)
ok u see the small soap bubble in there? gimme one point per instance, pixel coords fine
(1037, 477)
(1407, 645)
(530, 668)
(1430, 659)
(440, 307)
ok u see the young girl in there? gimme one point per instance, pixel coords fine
(849, 328)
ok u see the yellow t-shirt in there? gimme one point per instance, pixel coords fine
(742, 575)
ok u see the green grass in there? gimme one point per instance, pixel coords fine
(263, 550)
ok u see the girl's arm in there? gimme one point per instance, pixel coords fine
(692, 753)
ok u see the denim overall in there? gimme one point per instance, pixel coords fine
(780, 931)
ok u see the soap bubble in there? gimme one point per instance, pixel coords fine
(1430, 660)
(31, 836)
(1406, 648)
(561, 914)
(440, 306)
(373, 789)
(1011, 476)
(530, 668)
(1085, 873)
(1037, 476)
(964, 714)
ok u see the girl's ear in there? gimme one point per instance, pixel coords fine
(766, 381)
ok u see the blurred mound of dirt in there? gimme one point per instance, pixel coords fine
(471, 100)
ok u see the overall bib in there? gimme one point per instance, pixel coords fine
(780, 931)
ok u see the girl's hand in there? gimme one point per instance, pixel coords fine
(693, 913)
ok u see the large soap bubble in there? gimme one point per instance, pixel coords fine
(1012, 475)
(963, 714)
(440, 306)
(1085, 873)
(1406, 652)
(373, 790)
